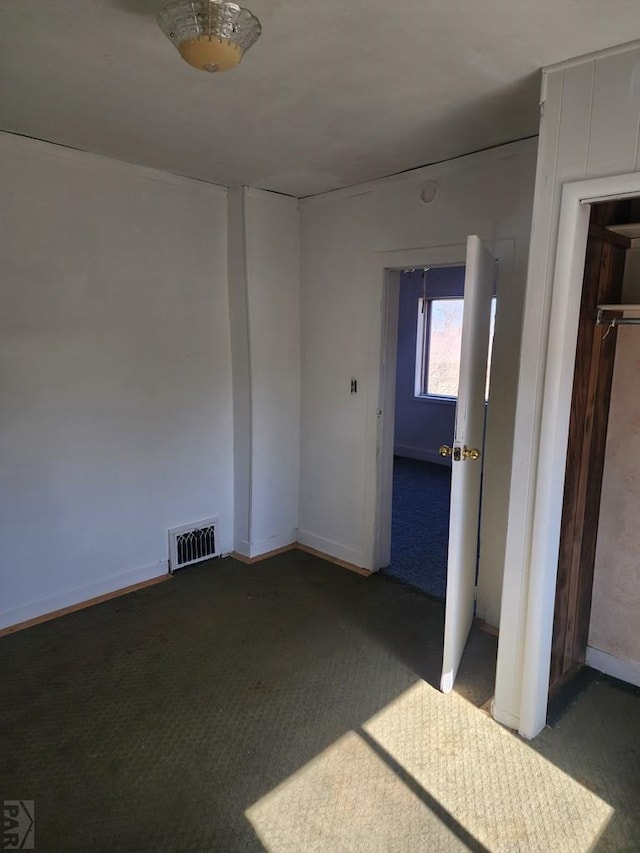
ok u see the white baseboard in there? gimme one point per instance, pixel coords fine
(625, 670)
(333, 549)
(264, 546)
(420, 454)
(241, 546)
(272, 543)
(80, 594)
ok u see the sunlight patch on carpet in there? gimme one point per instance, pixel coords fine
(432, 772)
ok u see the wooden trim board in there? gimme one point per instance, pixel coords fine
(488, 629)
(298, 546)
(46, 617)
(249, 560)
(343, 563)
(98, 599)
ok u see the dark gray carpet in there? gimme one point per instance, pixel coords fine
(420, 525)
(282, 707)
(152, 721)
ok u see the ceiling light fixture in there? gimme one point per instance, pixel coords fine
(211, 35)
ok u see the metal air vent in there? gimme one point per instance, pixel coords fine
(192, 543)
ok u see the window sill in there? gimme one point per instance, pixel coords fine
(432, 398)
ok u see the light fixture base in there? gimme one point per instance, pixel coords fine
(211, 35)
(209, 54)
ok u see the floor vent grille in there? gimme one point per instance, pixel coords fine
(192, 543)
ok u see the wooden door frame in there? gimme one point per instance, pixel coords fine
(593, 375)
(552, 436)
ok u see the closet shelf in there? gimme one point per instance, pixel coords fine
(618, 314)
(625, 308)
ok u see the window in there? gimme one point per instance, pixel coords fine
(438, 347)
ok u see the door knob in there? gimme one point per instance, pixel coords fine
(460, 453)
(470, 453)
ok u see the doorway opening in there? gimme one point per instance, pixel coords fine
(426, 377)
(597, 600)
(467, 450)
(523, 680)
(427, 373)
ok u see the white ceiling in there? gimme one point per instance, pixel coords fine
(335, 92)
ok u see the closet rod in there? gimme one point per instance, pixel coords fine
(602, 319)
(619, 321)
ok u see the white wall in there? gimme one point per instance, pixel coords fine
(264, 286)
(115, 372)
(589, 129)
(614, 628)
(489, 194)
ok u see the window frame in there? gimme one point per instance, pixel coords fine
(423, 348)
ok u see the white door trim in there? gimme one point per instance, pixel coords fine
(552, 437)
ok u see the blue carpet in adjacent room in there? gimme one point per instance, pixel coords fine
(420, 525)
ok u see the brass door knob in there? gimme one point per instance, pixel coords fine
(470, 453)
(460, 453)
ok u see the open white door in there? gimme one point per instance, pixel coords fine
(466, 452)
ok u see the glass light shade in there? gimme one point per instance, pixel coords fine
(211, 35)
